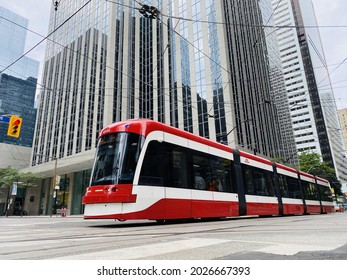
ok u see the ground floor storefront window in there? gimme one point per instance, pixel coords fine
(68, 196)
(81, 182)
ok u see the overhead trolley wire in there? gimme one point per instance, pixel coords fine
(180, 18)
(45, 38)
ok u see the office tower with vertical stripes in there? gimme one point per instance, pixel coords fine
(309, 90)
(207, 67)
(17, 89)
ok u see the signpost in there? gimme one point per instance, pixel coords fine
(14, 189)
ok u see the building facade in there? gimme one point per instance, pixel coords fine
(13, 31)
(17, 94)
(309, 91)
(18, 80)
(279, 95)
(205, 66)
(17, 97)
(334, 128)
(343, 122)
(342, 113)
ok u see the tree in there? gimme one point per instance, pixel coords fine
(10, 175)
(312, 163)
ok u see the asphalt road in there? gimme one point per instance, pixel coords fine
(310, 237)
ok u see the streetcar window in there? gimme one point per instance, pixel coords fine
(211, 173)
(221, 174)
(177, 166)
(289, 186)
(310, 190)
(116, 159)
(325, 193)
(283, 183)
(152, 168)
(258, 181)
(248, 179)
(131, 153)
(184, 168)
(201, 172)
(293, 187)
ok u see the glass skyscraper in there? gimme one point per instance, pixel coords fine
(17, 82)
(202, 66)
(109, 62)
(309, 91)
(17, 95)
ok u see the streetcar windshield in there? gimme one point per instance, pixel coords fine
(116, 159)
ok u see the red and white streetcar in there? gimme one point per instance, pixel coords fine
(148, 170)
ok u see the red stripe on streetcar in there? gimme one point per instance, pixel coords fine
(109, 194)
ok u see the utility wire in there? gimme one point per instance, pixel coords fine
(44, 39)
(47, 37)
(137, 9)
(256, 25)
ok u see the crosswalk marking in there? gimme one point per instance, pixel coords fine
(138, 252)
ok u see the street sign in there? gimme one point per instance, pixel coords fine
(4, 119)
(14, 189)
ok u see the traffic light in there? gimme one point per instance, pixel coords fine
(14, 126)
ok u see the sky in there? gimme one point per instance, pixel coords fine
(328, 13)
(334, 40)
